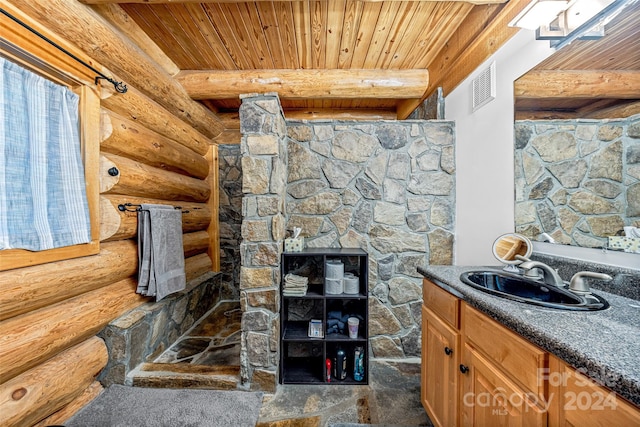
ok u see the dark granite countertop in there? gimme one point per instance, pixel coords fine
(604, 345)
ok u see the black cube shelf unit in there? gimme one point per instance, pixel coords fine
(303, 358)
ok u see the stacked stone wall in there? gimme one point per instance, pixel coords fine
(577, 180)
(387, 187)
(264, 164)
(230, 218)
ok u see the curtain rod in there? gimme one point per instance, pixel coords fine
(119, 86)
(135, 207)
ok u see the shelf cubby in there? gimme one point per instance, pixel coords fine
(303, 358)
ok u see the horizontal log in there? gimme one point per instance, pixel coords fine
(228, 136)
(619, 111)
(120, 19)
(39, 392)
(85, 28)
(109, 174)
(132, 140)
(30, 339)
(137, 179)
(118, 225)
(544, 115)
(31, 288)
(111, 220)
(338, 114)
(578, 84)
(307, 83)
(67, 411)
(230, 120)
(139, 108)
(195, 243)
(197, 265)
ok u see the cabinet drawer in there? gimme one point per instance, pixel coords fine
(441, 302)
(518, 358)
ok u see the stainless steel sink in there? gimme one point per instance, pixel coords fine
(518, 288)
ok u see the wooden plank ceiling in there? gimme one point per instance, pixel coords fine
(350, 58)
(326, 58)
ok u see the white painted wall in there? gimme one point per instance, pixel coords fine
(484, 152)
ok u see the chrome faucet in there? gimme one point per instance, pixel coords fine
(578, 284)
(549, 274)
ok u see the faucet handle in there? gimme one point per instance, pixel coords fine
(579, 286)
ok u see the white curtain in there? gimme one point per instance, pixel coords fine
(43, 202)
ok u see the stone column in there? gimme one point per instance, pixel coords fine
(264, 166)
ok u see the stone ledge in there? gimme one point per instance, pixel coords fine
(146, 331)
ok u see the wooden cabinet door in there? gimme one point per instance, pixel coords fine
(490, 398)
(576, 400)
(440, 359)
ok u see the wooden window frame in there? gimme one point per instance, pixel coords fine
(31, 52)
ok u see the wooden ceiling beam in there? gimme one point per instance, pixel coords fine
(594, 111)
(301, 84)
(544, 115)
(244, 1)
(618, 111)
(578, 84)
(339, 114)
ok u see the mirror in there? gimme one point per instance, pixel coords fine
(507, 246)
(577, 140)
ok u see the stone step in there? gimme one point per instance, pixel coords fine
(185, 375)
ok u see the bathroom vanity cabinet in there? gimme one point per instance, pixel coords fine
(577, 400)
(440, 355)
(303, 358)
(477, 372)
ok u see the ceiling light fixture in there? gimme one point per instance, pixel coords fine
(563, 21)
(584, 18)
(539, 13)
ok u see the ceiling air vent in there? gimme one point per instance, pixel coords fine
(484, 87)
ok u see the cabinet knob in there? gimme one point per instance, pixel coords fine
(464, 369)
(448, 351)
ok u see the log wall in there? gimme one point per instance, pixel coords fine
(50, 313)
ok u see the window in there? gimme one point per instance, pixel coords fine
(78, 90)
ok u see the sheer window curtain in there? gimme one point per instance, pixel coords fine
(43, 202)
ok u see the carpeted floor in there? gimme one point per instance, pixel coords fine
(122, 406)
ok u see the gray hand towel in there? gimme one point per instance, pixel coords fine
(160, 252)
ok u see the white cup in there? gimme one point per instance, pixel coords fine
(353, 323)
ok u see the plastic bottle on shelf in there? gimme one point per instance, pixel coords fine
(358, 363)
(340, 365)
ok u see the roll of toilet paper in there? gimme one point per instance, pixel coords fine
(334, 286)
(351, 283)
(334, 269)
